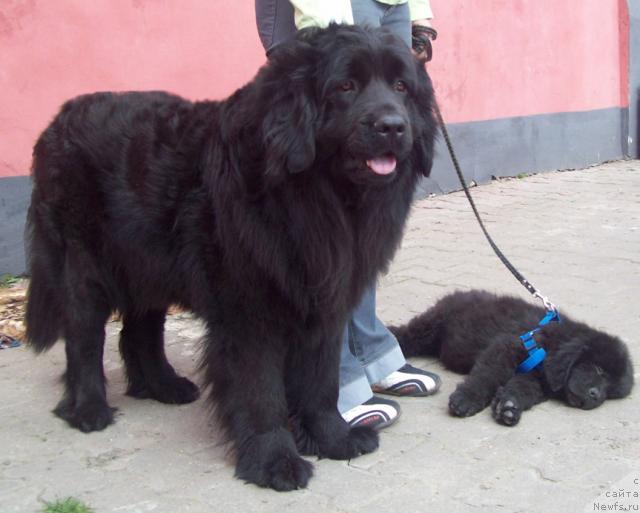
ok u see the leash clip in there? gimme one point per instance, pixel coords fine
(550, 307)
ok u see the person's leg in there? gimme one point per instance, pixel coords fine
(371, 343)
(394, 18)
(368, 13)
(354, 385)
(275, 22)
(377, 350)
(356, 402)
(371, 358)
(397, 19)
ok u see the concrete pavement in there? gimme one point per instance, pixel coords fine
(575, 235)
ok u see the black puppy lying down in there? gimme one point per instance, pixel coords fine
(477, 333)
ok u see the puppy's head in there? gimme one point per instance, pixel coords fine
(586, 387)
(588, 370)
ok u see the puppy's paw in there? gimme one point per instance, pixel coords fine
(462, 403)
(505, 409)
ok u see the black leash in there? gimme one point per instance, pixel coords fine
(525, 283)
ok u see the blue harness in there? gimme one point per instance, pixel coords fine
(536, 354)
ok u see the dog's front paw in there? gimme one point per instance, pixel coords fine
(88, 417)
(271, 460)
(169, 389)
(505, 409)
(359, 440)
(284, 472)
(462, 403)
(344, 444)
(328, 435)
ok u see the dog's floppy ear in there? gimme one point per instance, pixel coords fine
(289, 132)
(558, 365)
(425, 123)
(289, 126)
(621, 385)
(616, 360)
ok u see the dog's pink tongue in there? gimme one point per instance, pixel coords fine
(382, 165)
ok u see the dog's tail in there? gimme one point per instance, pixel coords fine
(422, 335)
(45, 264)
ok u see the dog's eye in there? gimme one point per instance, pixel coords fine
(400, 86)
(347, 85)
(599, 370)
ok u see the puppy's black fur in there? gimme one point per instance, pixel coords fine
(477, 333)
(267, 214)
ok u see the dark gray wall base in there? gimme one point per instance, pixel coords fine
(509, 146)
(503, 147)
(634, 79)
(15, 194)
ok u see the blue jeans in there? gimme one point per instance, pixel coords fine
(370, 352)
(394, 18)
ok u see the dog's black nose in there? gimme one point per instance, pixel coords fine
(594, 393)
(390, 125)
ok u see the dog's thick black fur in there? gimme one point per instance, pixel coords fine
(477, 333)
(266, 214)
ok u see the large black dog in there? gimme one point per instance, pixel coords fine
(266, 214)
(477, 333)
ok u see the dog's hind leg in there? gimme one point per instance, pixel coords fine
(86, 310)
(494, 367)
(521, 392)
(149, 374)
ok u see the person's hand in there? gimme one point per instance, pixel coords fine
(422, 34)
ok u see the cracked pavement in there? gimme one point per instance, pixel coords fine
(574, 234)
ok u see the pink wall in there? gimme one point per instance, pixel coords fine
(493, 59)
(53, 50)
(503, 58)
